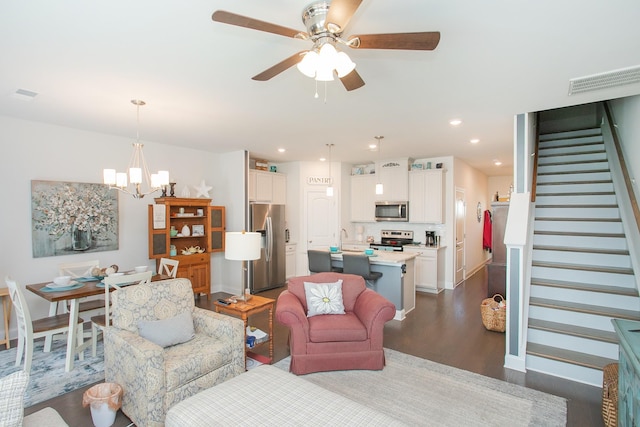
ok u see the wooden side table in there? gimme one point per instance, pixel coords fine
(6, 310)
(256, 304)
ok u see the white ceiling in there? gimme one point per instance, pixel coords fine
(88, 59)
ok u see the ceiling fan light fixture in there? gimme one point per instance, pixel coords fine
(344, 64)
(324, 74)
(309, 64)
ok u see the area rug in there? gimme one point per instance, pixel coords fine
(48, 378)
(421, 392)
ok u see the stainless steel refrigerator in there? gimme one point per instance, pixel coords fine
(268, 272)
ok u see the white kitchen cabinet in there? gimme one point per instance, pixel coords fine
(267, 187)
(428, 269)
(363, 198)
(426, 196)
(394, 177)
(290, 260)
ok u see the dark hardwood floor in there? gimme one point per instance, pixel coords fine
(445, 328)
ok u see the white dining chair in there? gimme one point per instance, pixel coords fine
(99, 322)
(168, 266)
(90, 306)
(30, 330)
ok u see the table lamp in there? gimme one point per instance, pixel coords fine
(243, 246)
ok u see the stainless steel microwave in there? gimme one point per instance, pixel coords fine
(392, 211)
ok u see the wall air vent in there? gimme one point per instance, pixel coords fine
(24, 95)
(622, 76)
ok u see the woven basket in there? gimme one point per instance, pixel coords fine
(610, 395)
(493, 316)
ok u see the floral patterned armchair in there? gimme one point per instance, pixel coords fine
(154, 377)
(332, 342)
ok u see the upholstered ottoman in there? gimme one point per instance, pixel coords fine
(270, 396)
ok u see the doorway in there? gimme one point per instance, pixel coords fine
(321, 220)
(461, 209)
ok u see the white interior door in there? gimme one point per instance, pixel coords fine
(320, 220)
(461, 208)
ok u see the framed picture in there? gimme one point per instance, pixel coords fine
(197, 230)
(72, 217)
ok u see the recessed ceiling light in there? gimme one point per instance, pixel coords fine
(281, 150)
(497, 162)
(372, 146)
(455, 122)
(474, 140)
(322, 159)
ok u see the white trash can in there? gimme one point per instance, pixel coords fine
(104, 400)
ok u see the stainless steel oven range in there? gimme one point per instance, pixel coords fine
(392, 240)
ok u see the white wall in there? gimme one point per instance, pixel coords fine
(37, 151)
(626, 112)
(501, 184)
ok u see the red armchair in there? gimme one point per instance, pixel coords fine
(335, 342)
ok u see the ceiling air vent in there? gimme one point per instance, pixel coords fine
(623, 76)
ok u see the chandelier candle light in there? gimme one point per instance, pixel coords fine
(137, 169)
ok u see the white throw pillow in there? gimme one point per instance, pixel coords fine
(12, 388)
(167, 332)
(324, 298)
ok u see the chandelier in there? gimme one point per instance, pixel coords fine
(322, 60)
(137, 169)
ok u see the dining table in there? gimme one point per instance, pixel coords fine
(71, 295)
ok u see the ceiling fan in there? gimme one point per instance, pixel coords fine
(325, 22)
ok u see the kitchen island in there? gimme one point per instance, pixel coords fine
(397, 281)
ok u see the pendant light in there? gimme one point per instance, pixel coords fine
(137, 170)
(330, 187)
(379, 188)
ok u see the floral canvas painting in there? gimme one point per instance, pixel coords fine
(72, 217)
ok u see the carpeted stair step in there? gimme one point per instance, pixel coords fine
(568, 356)
(576, 331)
(585, 308)
(589, 287)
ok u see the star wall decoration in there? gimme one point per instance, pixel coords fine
(202, 190)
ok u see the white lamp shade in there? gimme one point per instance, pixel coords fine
(242, 245)
(109, 176)
(135, 175)
(344, 64)
(308, 64)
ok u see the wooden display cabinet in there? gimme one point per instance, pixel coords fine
(209, 227)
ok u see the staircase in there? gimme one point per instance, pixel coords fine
(581, 275)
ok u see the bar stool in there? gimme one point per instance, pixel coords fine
(359, 265)
(320, 261)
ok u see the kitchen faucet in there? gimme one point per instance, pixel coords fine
(345, 235)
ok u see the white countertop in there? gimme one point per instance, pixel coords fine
(382, 257)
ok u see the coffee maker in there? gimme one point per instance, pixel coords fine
(430, 238)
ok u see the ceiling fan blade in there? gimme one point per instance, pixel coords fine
(254, 24)
(340, 13)
(408, 41)
(352, 81)
(279, 67)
